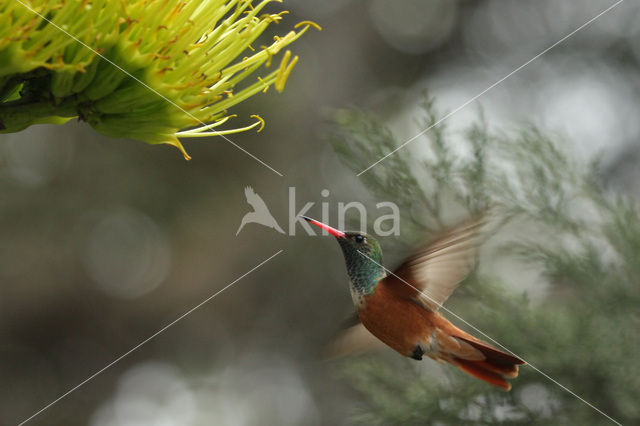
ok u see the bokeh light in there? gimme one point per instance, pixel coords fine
(126, 254)
(416, 27)
(31, 159)
(149, 394)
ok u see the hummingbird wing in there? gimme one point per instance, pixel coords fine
(352, 340)
(438, 268)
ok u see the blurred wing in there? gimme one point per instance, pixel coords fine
(437, 269)
(353, 340)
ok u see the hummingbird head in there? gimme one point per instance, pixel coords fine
(362, 255)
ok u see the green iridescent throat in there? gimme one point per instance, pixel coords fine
(364, 263)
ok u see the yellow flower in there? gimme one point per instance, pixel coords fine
(142, 69)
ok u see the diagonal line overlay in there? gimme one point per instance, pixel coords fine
(163, 329)
(497, 343)
(464, 105)
(147, 86)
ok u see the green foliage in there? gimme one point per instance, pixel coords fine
(554, 217)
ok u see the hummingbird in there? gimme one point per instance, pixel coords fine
(401, 309)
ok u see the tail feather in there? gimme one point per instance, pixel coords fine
(506, 371)
(494, 369)
(495, 356)
(476, 370)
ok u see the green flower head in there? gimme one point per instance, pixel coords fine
(142, 69)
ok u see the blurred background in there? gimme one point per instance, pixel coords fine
(106, 241)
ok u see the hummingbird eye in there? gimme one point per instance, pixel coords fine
(359, 239)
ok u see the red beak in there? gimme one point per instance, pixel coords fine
(332, 231)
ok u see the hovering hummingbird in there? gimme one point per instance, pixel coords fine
(401, 309)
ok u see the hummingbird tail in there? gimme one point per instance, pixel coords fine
(494, 369)
(477, 370)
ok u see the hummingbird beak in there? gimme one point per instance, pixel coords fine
(332, 231)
